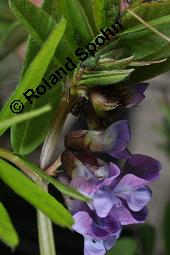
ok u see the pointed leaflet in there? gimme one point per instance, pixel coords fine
(100, 13)
(23, 117)
(88, 7)
(26, 136)
(36, 70)
(78, 24)
(8, 234)
(33, 194)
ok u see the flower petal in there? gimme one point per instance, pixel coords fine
(128, 183)
(87, 187)
(109, 242)
(102, 228)
(93, 247)
(103, 202)
(126, 216)
(109, 172)
(135, 101)
(143, 166)
(137, 199)
(83, 223)
(114, 138)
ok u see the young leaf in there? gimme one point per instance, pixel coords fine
(36, 70)
(98, 80)
(8, 235)
(23, 117)
(33, 194)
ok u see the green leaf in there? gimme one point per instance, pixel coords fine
(148, 12)
(67, 190)
(147, 237)
(12, 37)
(103, 79)
(27, 136)
(23, 117)
(141, 41)
(166, 227)
(8, 234)
(124, 246)
(100, 14)
(88, 7)
(36, 70)
(78, 23)
(5, 12)
(23, 164)
(35, 195)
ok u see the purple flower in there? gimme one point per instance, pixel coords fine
(119, 197)
(113, 140)
(137, 95)
(107, 101)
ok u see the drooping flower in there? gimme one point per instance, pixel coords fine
(112, 141)
(118, 196)
(107, 101)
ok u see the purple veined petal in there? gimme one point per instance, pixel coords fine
(129, 183)
(114, 138)
(93, 247)
(87, 187)
(109, 173)
(103, 202)
(83, 223)
(102, 228)
(137, 199)
(143, 166)
(110, 242)
(127, 217)
(137, 99)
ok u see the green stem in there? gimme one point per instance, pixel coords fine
(45, 231)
